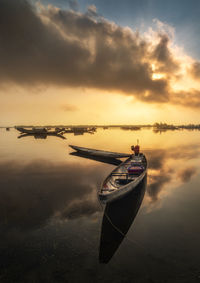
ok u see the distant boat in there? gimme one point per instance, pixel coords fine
(38, 130)
(133, 128)
(124, 178)
(80, 130)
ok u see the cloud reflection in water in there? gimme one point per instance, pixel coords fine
(43, 190)
(30, 194)
(168, 165)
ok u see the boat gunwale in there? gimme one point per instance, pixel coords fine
(37, 131)
(99, 152)
(108, 196)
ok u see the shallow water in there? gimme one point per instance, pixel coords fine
(53, 228)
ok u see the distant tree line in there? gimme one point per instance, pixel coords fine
(164, 126)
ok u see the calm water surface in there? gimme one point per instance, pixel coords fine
(53, 228)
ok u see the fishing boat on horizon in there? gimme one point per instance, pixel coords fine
(39, 131)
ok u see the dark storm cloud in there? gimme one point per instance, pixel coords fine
(118, 57)
(72, 49)
(186, 174)
(34, 52)
(31, 194)
(195, 70)
(50, 46)
(164, 57)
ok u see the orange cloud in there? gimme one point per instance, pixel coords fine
(195, 70)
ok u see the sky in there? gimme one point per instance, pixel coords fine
(99, 62)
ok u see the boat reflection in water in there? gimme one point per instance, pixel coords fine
(80, 130)
(108, 160)
(117, 219)
(41, 136)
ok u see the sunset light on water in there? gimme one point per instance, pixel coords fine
(99, 141)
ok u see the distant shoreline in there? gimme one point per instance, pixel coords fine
(156, 126)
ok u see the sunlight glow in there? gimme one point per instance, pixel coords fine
(157, 76)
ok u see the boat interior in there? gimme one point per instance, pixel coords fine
(122, 176)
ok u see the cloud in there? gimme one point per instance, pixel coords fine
(189, 98)
(35, 52)
(73, 4)
(186, 174)
(195, 70)
(51, 46)
(69, 107)
(92, 11)
(163, 56)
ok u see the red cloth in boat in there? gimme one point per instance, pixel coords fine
(135, 169)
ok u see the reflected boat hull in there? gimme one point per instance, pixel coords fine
(117, 219)
(107, 160)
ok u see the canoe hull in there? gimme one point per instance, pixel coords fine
(41, 131)
(101, 153)
(122, 190)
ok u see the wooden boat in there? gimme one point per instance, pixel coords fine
(101, 153)
(124, 178)
(41, 131)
